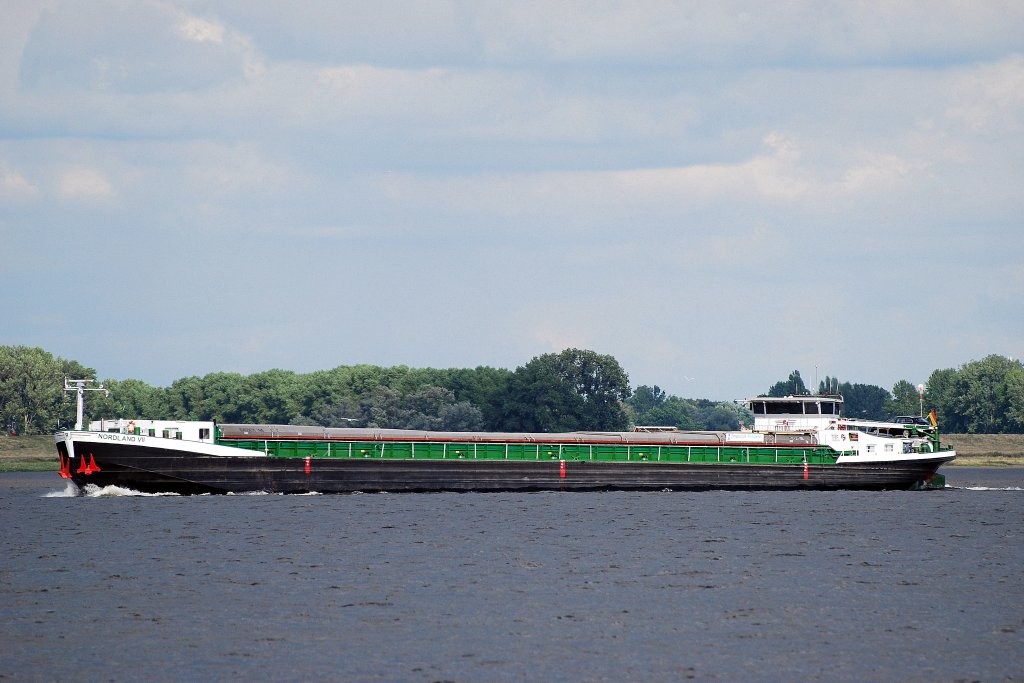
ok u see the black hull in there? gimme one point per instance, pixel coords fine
(155, 470)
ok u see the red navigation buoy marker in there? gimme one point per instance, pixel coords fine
(561, 469)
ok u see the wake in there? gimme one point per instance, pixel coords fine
(94, 491)
(985, 488)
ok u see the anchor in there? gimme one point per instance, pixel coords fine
(88, 466)
(65, 467)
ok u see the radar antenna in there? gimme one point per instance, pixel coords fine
(78, 386)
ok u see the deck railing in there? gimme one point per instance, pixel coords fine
(446, 450)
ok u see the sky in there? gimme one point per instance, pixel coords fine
(714, 193)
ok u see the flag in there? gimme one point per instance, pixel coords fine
(931, 417)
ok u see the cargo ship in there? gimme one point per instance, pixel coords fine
(796, 442)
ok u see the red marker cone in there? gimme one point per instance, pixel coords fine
(83, 468)
(93, 467)
(65, 467)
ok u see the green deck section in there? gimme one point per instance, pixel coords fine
(428, 450)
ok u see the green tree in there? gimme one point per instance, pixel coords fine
(905, 399)
(983, 397)
(221, 397)
(572, 390)
(269, 397)
(362, 379)
(344, 413)
(829, 385)
(939, 395)
(428, 408)
(865, 401)
(794, 386)
(130, 398)
(720, 415)
(461, 416)
(381, 407)
(1015, 397)
(433, 407)
(653, 407)
(317, 391)
(184, 399)
(422, 408)
(861, 401)
(32, 397)
(645, 400)
(483, 387)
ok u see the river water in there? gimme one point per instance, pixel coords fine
(607, 586)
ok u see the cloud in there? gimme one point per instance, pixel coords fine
(679, 184)
(486, 105)
(385, 32)
(85, 184)
(642, 33)
(15, 187)
(137, 47)
(779, 175)
(200, 30)
(242, 170)
(989, 98)
(650, 32)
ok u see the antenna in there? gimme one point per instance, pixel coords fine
(78, 386)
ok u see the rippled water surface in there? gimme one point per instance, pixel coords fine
(507, 587)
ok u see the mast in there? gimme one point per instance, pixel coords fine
(78, 386)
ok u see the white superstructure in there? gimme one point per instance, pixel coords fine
(821, 417)
(166, 429)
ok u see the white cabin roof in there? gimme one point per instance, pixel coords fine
(815, 405)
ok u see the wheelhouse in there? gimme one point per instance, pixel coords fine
(794, 413)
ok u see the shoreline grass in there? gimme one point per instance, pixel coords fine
(35, 453)
(983, 461)
(28, 466)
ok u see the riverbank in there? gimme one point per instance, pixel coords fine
(987, 450)
(28, 454)
(37, 453)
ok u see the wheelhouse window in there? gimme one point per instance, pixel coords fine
(784, 408)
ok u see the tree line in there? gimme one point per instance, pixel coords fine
(567, 391)
(980, 397)
(572, 390)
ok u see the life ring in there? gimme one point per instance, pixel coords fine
(131, 426)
